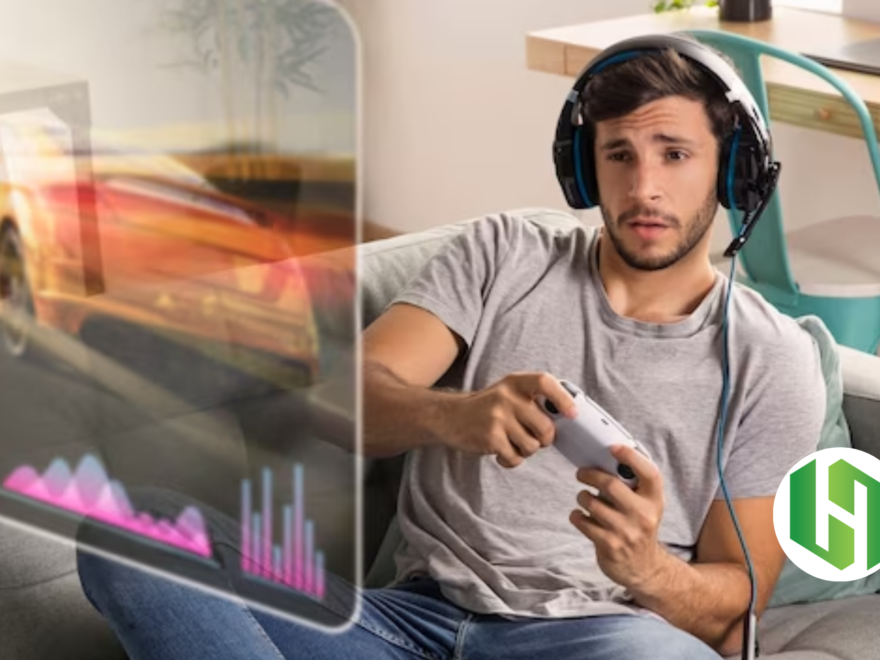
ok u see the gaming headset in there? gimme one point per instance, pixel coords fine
(747, 174)
(747, 177)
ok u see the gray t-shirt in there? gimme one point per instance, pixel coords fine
(526, 297)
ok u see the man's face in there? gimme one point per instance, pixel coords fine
(657, 169)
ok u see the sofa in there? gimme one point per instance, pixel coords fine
(43, 613)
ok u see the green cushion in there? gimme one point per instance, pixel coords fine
(794, 585)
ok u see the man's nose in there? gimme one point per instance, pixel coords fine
(645, 184)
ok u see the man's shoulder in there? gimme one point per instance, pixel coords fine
(519, 224)
(764, 332)
(534, 235)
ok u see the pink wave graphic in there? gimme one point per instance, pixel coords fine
(89, 492)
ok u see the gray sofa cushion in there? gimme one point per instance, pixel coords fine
(843, 629)
(52, 619)
(861, 403)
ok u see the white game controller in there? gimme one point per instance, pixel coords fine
(587, 439)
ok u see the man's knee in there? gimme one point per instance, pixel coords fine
(654, 639)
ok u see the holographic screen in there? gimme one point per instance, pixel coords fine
(178, 290)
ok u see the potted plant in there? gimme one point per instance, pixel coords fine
(660, 6)
(258, 53)
(729, 10)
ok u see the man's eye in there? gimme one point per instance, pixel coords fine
(676, 154)
(618, 157)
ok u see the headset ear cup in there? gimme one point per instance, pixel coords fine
(749, 177)
(754, 177)
(723, 191)
(588, 167)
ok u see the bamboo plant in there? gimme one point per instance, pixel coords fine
(256, 51)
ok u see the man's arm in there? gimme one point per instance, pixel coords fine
(709, 597)
(405, 351)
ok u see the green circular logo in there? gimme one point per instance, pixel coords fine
(827, 514)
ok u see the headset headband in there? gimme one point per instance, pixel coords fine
(727, 79)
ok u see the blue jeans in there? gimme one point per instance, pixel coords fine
(157, 618)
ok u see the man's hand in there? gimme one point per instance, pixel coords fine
(504, 419)
(623, 523)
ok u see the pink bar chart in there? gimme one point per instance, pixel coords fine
(294, 562)
(88, 491)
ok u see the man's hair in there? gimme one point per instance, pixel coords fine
(623, 88)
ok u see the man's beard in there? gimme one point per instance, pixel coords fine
(700, 224)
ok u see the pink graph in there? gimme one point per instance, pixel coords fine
(295, 563)
(89, 492)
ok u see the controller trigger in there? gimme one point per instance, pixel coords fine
(642, 450)
(571, 389)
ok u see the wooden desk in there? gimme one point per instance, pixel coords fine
(795, 96)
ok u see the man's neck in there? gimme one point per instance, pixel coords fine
(660, 296)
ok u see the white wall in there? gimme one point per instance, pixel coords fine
(455, 125)
(866, 9)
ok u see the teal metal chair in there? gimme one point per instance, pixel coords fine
(831, 268)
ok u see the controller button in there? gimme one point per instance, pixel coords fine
(552, 409)
(625, 471)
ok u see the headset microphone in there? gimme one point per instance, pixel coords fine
(749, 223)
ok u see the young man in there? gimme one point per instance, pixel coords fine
(507, 553)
